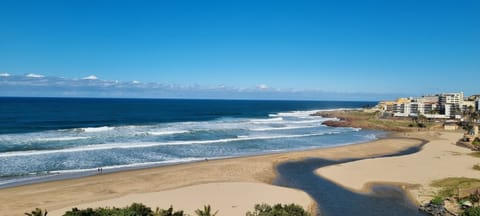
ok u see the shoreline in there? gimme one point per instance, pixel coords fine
(260, 169)
(93, 172)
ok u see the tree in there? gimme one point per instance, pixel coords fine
(140, 209)
(37, 212)
(168, 212)
(207, 211)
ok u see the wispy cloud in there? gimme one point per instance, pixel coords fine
(92, 86)
(32, 75)
(262, 86)
(91, 77)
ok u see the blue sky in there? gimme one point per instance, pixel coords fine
(271, 49)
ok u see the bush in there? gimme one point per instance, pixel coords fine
(278, 210)
(476, 141)
(136, 209)
(437, 201)
(168, 212)
(474, 211)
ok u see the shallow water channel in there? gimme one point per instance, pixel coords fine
(333, 200)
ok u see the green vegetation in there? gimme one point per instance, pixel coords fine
(37, 212)
(474, 211)
(437, 200)
(278, 210)
(136, 209)
(168, 212)
(476, 141)
(139, 209)
(207, 211)
(476, 167)
(449, 186)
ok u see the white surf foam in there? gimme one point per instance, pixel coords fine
(163, 133)
(269, 120)
(282, 128)
(94, 129)
(153, 144)
(53, 139)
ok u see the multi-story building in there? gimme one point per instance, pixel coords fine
(445, 105)
(430, 108)
(450, 104)
(417, 108)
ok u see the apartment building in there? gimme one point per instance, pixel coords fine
(444, 105)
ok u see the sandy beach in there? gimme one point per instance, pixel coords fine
(130, 185)
(232, 198)
(438, 159)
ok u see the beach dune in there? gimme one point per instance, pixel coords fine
(235, 198)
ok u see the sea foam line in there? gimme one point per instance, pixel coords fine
(154, 144)
(93, 129)
(52, 139)
(283, 128)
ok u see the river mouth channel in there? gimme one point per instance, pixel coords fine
(333, 200)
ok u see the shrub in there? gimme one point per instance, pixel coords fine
(476, 141)
(101, 212)
(278, 210)
(136, 209)
(474, 211)
(437, 201)
(168, 212)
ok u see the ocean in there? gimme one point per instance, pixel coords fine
(51, 138)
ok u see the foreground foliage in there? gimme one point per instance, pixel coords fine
(278, 210)
(136, 209)
(207, 211)
(139, 209)
(37, 212)
(475, 211)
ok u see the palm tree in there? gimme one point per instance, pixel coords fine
(37, 212)
(168, 212)
(207, 211)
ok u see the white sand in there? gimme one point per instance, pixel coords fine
(440, 158)
(228, 198)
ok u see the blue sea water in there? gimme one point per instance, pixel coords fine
(42, 137)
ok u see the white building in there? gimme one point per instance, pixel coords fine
(477, 104)
(450, 103)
